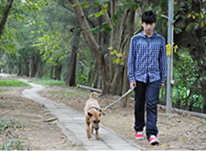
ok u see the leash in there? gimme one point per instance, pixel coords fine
(128, 92)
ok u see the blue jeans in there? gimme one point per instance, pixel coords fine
(146, 93)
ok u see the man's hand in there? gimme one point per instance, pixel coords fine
(133, 84)
(162, 85)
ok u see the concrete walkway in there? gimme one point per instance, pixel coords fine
(72, 124)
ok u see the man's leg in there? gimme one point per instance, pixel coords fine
(152, 96)
(139, 106)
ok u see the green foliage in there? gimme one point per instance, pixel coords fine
(82, 78)
(4, 82)
(185, 75)
(85, 65)
(13, 36)
(116, 56)
(53, 46)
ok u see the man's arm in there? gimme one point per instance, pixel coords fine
(163, 62)
(131, 62)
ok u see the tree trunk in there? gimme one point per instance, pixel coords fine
(116, 85)
(51, 72)
(20, 69)
(40, 71)
(27, 66)
(5, 15)
(71, 72)
(99, 41)
(96, 77)
(35, 61)
(58, 70)
(119, 41)
(125, 77)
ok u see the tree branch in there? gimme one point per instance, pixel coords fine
(106, 16)
(5, 15)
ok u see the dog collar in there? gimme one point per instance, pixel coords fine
(96, 108)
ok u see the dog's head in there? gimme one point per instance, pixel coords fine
(95, 118)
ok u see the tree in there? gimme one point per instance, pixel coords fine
(71, 72)
(111, 74)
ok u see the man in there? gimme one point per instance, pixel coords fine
(147, 71)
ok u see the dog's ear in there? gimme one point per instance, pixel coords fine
(90, 114)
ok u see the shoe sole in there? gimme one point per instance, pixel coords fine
(139, 138)
(155, 142)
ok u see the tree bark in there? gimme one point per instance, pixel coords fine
(58, 70)
(40, 71)
(5, 15)
(96, 77)
(71, 72)
(35, 62)
(27, 66)
(125, 77)
(51, 72)
(20, 69)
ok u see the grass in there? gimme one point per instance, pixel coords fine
(68, 93)
(50, 82)
(3, 90)
(9, 126)
(13, 145)
(61, 92)
(5, 124)
(11, 82)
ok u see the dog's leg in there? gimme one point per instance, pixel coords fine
(92, 130)
(88, 128)
(97, 134)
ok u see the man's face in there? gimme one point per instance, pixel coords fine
(148, 28)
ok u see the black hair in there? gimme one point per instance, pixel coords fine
(149, 17)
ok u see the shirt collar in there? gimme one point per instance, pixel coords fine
(145, 36)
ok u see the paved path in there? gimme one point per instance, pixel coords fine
(72, 124)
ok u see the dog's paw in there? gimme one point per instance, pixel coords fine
(89, 136)
(97, 138)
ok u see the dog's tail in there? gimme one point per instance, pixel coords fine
(93, 94)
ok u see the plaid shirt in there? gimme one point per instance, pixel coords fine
(147, 57)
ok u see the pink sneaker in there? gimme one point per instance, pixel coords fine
(139, 135)
(153, 140)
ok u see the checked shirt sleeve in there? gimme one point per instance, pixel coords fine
(163, 62)
(131, 62)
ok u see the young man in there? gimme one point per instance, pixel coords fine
(147, 71)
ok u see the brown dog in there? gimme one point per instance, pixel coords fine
(93, 113)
